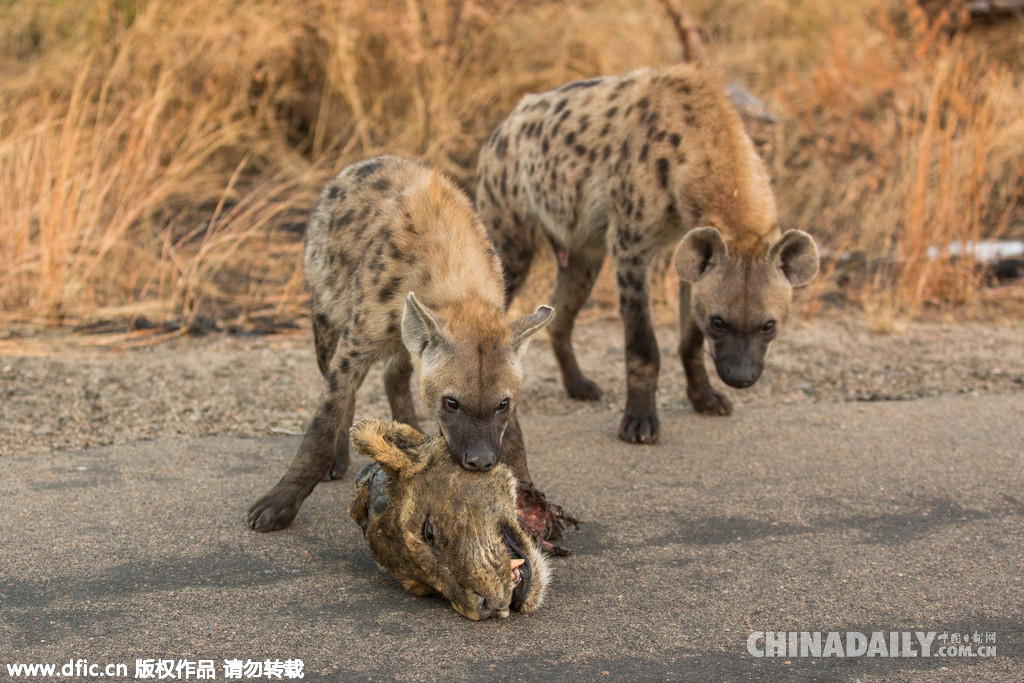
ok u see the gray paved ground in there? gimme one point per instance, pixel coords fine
(831, 517)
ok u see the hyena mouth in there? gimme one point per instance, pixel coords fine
(522, 571)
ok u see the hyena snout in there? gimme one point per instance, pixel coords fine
(741, 375)
(477, 453)
(475, 445)
(479, 457)
(739, 362)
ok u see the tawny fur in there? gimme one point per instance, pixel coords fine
(466, 559)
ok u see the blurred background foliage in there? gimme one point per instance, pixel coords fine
(158, 159)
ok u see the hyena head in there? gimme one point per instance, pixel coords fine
(740, 300)
(439, 528)
(470, 373)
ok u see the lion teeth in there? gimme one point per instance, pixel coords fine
(518, 562)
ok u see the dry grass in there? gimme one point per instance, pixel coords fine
(148, 175)
(158, 158)
(919, 132)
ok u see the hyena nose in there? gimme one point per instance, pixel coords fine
(479, 459)
(742, 376)
(739, 373)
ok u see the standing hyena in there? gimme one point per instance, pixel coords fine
(383, 228)
(631, 163)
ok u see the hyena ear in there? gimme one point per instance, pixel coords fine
(796, 255)
(392, 444)
(420, 327)
(701, 250)
(524, 328)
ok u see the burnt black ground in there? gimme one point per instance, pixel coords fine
(863, 517)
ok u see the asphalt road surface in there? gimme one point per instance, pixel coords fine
(851, 517)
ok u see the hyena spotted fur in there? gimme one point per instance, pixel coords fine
(400, 269)
(634, 164)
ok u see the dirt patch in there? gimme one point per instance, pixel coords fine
(223, 385)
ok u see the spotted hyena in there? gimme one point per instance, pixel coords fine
(634, 164)
(399, 269)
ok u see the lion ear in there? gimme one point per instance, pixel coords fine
(392, 444)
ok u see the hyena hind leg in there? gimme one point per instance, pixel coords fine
(572, 289)
(516, 244)
(397, 375)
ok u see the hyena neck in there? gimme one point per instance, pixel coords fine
(454, 243)
(751, 243)
(746, 234)
(471, 316)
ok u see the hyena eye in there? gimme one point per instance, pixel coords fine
(717, 324)
(450, 403)
(428, 531)
(503, 406)
(768, 327)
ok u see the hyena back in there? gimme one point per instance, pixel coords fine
(631, 164)
(399, 269)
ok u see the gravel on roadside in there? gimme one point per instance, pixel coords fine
(255, 386)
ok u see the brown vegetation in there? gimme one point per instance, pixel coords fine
(158, 159)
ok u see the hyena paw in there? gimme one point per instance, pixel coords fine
(273, 511)
(583, 389)
(639, 427)
(711, 402)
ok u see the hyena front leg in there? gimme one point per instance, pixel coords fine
(704, 399)
(323, 450)
(572, 288)
(513, 449)
(325, 339)
(545, 520)
(396, 385)
(640, 421)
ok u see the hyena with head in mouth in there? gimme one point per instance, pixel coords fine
(634, 164)
(400, 269)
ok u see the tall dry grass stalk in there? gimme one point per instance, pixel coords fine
(158, 158)
(950, 145)
(916, 134)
